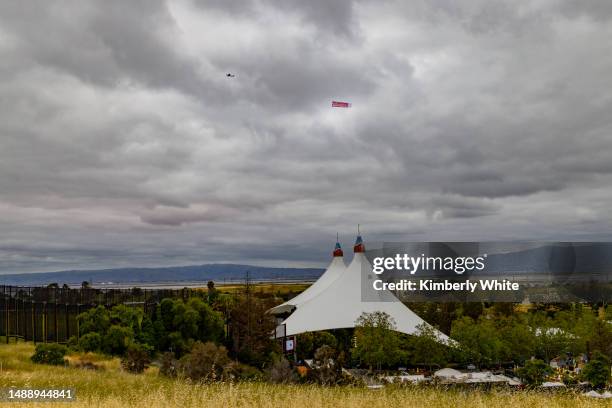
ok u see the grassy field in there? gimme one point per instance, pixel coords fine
(279, 288)
(111, 387)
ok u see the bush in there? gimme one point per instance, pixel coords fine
(169, 366)
(327, 371)
(281, 372)
(49, 354)
(569, 378)
(90, 342)
(243, 372)
(206, 362)
(136, 358)
(73, 343)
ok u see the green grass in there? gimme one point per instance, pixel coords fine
(111, 387)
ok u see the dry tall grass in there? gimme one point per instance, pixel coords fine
(111, 387)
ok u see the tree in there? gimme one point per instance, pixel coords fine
(518, 339)
(597, 371)
(601, 338)
(185, 320)
(212, 292)
(479, 342)
(503, 308)
(117, 339)
(324, 338)
(308, 343)
(534, 372)
(210, 322)
(304, 345)
(126, 316)
(427, 348)
(165, 313)
(377, 342)
(177, 344)
(250, 329)
(472, 309)
(96, 319)
(551, 342)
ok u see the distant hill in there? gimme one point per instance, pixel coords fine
(175, 274)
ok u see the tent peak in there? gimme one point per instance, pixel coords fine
(338, 248)
(359, 245)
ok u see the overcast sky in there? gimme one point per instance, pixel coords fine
(123, 143)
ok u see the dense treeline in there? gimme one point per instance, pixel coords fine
(486, 336)
(502, 333)
(232, 333)
(236, 325)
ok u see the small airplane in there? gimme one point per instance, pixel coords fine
(230, 75)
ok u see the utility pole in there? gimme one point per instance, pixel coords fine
(248, 295)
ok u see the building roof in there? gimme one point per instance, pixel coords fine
(450, 375)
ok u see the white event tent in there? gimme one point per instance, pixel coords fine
(337, 303)
(333, 271)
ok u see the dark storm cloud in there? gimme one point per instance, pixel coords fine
(335, 17)
(117, 43)
(123, 143)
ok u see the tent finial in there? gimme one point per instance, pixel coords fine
(359, 246)
(338, 248)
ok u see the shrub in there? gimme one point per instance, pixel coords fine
(281, 372)
(569, 378)
(206, 361)
(327, 371)
(136, 358)
(73, 343)
(49, 354)
(87, 362)
(243, 372)
(169, 366)
(90, 342)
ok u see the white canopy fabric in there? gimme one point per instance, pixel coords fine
(339, 305)
(333, 271)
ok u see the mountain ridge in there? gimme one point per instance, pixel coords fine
(204, 272)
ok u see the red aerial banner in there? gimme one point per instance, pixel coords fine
(336, 104)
